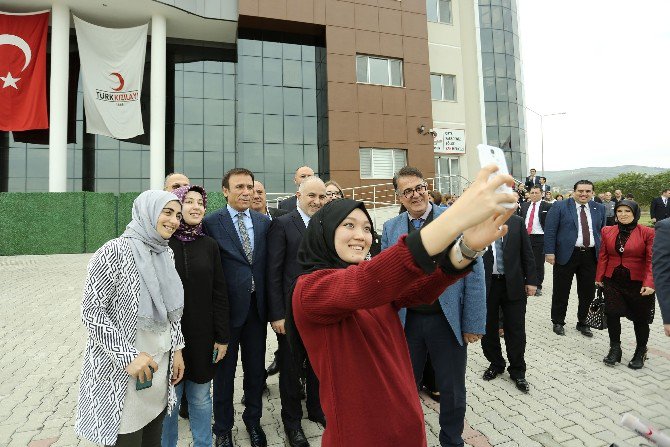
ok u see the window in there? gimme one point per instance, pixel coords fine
(381, 163)
(378, 70)
(443, 87)
(439, 11)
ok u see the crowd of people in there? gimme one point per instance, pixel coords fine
(359, 319)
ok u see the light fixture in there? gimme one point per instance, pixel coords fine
(422, 130)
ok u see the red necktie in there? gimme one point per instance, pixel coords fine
(529, 228)
(586, 236)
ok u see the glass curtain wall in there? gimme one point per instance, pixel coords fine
(503, 84)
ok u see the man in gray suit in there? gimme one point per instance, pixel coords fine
(660, 265)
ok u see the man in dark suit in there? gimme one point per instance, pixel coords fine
(534, 214)
(660, 207)
(532, 180)
(571, 245)
(259, 203)
(544, 187)
(241, 235)
(660, 266)
(283, 268)
(300, 174)
(510, 278)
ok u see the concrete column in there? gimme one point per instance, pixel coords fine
(157, 107)
(60, 54)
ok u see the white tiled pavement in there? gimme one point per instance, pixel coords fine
(575, 400)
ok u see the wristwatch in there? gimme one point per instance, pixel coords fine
(465, 252)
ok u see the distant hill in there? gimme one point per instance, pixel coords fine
(566, 179)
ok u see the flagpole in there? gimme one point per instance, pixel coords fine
(60, 54)
(158, 92)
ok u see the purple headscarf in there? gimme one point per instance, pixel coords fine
(186, 232)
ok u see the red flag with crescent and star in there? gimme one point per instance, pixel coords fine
(23, 71)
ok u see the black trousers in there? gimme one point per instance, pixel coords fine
(514, 323)
(147, 436)
(583, 265)
(290, 388)
(537, 243)
(250, 337)
(614, 330)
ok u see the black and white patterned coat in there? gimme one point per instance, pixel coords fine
(109, 312)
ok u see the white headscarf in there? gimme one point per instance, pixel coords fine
(161, 300)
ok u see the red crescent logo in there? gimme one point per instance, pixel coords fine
(121, 81)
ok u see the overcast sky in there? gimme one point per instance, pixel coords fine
(606, 63)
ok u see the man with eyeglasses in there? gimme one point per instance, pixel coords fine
(442, 329)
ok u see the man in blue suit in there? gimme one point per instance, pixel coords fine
(241, 233)
(442, 329)
(571, 245)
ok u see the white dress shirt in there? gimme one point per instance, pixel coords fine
(537, 228)
(580, 238)
(305, 217)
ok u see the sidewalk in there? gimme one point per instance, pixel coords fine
(575, 400)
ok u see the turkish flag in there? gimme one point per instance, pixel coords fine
(23, 71)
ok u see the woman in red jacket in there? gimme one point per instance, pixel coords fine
(346, 308)
(624, 272)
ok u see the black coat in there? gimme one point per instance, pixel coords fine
(290, 204)
(659, 211)
(660, 266)
(284, 239)
(206, 315)
(544, 209)
(518, 260)
(276, 212)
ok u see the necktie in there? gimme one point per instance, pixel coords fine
(585, 227)
(529, 228)
(499, 256)
(246, 243)
(417, 223)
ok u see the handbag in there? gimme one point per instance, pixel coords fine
(596, 316)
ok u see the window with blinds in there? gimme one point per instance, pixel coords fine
(378, 163)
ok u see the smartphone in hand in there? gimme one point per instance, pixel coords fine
(147, 383)
(494, 155)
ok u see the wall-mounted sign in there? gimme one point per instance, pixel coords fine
(449, 141)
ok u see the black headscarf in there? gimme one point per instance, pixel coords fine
(626, 229)
(317, 252)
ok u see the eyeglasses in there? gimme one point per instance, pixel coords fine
(333, 194)
(419, 189)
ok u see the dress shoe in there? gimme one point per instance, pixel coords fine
(558, 329)
(584, 329)
(639, 357)
(435, 395)
(183, 410)
(522, 384)
(272, 369)
(257, 436)
(318, 419)
(225, 440)
(491, 373)
(296, 438)
(614, 356)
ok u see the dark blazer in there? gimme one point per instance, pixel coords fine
(518, 260)
(289, 204)
(546, 187)
(236, 267)
(284, 240)
(659, 211)
(276, 212)
(531, 182)
(206, 314)
(562, 226)
(660, 267)
(543, 210)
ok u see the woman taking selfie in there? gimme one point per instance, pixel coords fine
(205, 322)
(624, 272)
(346, 309)
(132, 306)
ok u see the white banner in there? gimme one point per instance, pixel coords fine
(449, 141)
(112, 66)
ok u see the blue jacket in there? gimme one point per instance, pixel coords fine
(561, 228)
(464, 302)
(236, 267)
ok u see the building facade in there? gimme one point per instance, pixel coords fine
(353, 88)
